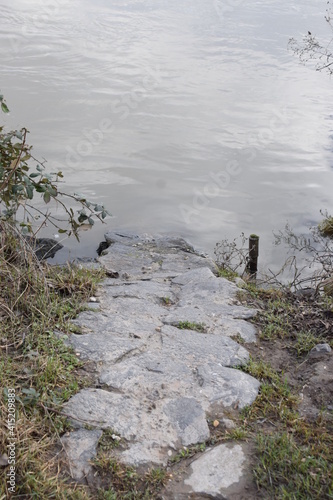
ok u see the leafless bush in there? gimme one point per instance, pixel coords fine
(308, 264)
(232, 255)
(309, 252)
(312, 49)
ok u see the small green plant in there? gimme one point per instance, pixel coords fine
(156, 477)
(188, 325)
(188, 452)
(238, 434)
(109, 440)
(305, 341)
(275, 399)
(273, 331)
(110, 494)
(226, 273)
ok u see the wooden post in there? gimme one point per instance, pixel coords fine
(252, 265)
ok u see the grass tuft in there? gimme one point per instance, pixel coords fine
(188, 325)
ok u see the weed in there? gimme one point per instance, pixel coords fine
(188, 325)
(283, 316)
(187, 452)
(109, 440)
(238, 434)
(305, 341)
(110, 494)
(231, 256)
(126, 482)
(238, 338)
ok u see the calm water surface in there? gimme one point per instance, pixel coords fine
(188, 116)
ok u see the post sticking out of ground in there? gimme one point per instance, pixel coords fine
(252, 265)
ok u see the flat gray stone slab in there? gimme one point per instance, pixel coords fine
(217, 470)
(141, 257)
(199, 348)
(155, 426)
(233, 327)
(189, 418)
(80, 447)
(146, 290)
(108, 348)
(156, 382)
(199, 285)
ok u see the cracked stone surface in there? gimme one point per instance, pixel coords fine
(155, 384)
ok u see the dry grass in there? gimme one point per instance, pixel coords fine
(36, 299)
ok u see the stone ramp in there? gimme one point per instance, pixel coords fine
(155, 383)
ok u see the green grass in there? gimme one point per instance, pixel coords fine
(188, 325)
(305, 341)
(187, 452)
(238, 434)
(227, 273)
(281, 318)
(166, 301)
(294, 456)
(121, 481)
(276, 399)
(288, 470)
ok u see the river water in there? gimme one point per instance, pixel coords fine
(188, 116)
